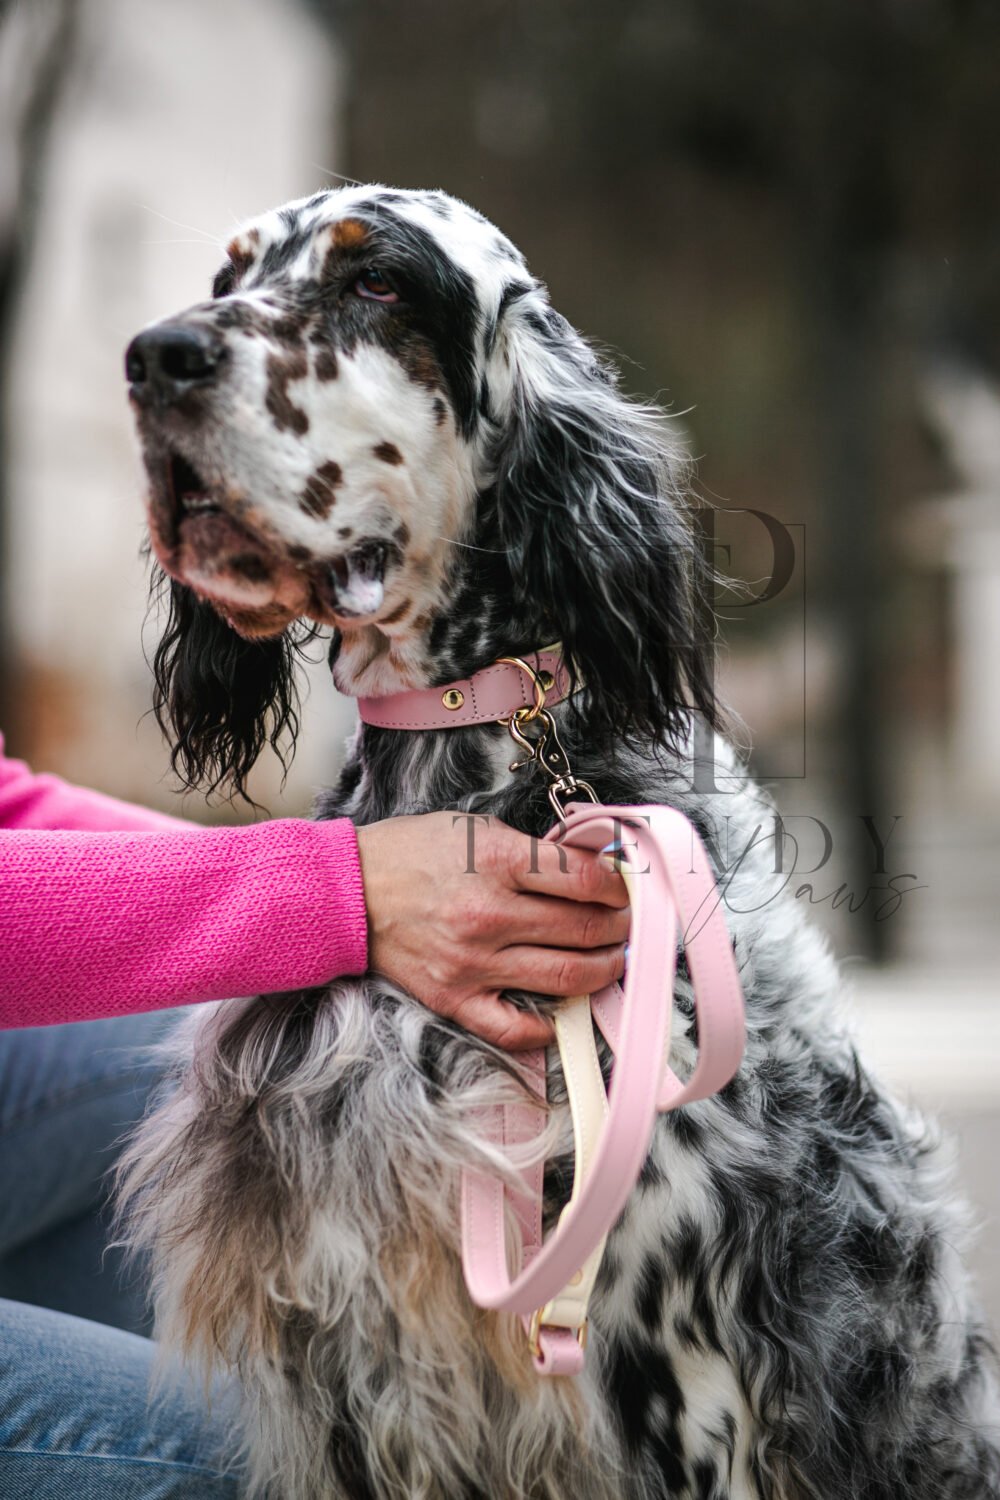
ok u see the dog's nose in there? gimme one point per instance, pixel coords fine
(171, 359)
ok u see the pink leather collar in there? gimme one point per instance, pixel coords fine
(486, 696)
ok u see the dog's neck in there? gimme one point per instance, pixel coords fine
(477, 623)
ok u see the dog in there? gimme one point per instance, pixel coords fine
(380, 424)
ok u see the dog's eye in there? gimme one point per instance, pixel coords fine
(373, 285)
(224, 281)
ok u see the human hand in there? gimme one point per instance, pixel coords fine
(523, 915)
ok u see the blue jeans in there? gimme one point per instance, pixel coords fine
(77, 1417)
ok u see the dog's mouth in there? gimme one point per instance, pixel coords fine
(203, 535)
(188, 491)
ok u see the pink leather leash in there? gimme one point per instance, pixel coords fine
(673, 894)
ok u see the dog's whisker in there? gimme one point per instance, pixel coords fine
(204, 234)
(472, 547)
(339, 176)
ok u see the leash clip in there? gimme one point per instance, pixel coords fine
(542, 746)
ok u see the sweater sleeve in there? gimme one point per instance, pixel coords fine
(101, 923)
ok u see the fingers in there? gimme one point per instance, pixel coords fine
(560, 924)
(557, 971)
(503, 1024)
(557, 870)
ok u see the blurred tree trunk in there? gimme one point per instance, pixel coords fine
(39, 43)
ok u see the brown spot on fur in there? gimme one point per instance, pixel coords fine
(402, 534)
(318, 497)
(280, 373)
(345, 531)
(348, 234)
(240, 256)
(245, 318)
(397, 613)
(440, 410)
(252, 567)
(379, 644)
(388, 453)
(326, 367)
(298, 553)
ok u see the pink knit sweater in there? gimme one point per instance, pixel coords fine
(107, 908)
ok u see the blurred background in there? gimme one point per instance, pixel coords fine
(783, 219)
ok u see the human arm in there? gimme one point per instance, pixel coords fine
(107, 923)
(101, 919)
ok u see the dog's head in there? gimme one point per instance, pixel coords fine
(378, 423)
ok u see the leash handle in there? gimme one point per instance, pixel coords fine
(672, 886)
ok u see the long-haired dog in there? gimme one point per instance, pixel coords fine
(380, 424)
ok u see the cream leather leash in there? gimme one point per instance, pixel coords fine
(673, 897)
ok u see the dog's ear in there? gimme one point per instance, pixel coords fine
(219, 698)
(599, 532)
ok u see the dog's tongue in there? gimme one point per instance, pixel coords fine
(358, 580)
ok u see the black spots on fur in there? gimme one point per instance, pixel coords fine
(298, 553)
(431, 1049)
(646, 1399)
(649, 1291)
(344, 532)
(224, 281)
(706, 1482)
(686, 1129)
(387, 453)
(685, 1332)
(690, 1259)
(287, 417)
(440, 411)
(280, 255)
(319, 494)
(686, 1249)
(650, 1175)
(484, 398)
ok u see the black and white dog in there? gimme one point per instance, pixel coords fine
(380, 424)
